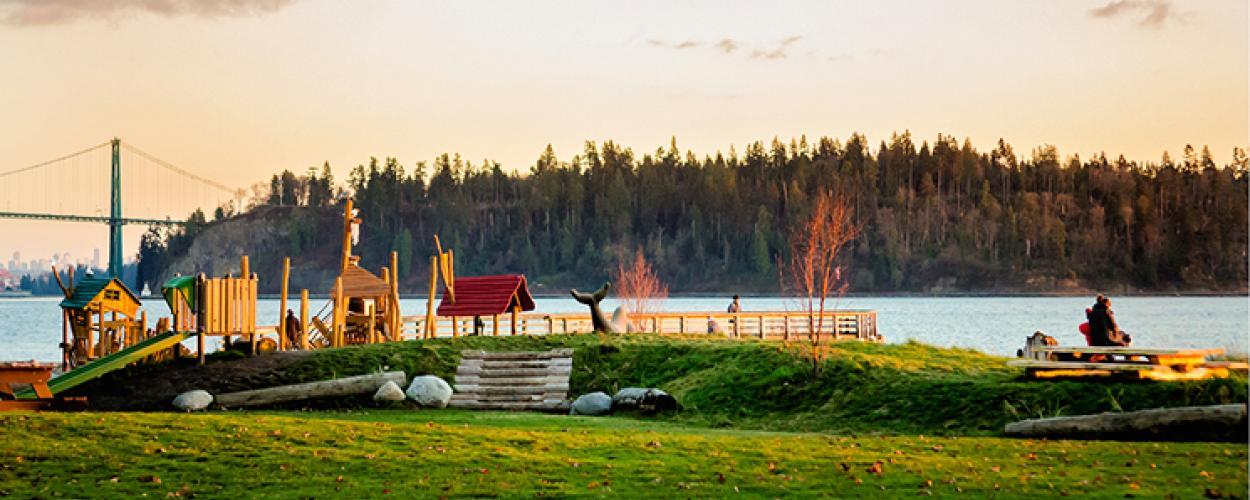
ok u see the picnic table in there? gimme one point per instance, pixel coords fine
(1132, 362)
(25, 372)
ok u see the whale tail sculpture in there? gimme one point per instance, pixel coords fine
(597, 319)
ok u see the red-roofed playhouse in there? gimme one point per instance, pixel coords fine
(486, 296)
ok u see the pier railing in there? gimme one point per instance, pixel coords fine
(768, 325)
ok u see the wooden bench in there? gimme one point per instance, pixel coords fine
(25, 372)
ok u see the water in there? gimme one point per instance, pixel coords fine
(30, 328)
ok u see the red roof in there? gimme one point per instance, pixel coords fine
(487, 296)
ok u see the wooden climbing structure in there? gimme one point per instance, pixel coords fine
(364, 307)
(100, 316)
(222, 307)
(534, 380)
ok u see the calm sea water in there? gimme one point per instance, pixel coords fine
(30, 328)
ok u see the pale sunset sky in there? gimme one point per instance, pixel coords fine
(235, 90)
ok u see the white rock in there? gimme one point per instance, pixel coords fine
(193, 400)
(595, 403)
(429, 391)
(389, 391)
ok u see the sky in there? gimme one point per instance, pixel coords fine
(235, 90)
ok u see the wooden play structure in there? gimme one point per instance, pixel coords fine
(363, 307)
(100, 316)
(473, 297)
(217, 307)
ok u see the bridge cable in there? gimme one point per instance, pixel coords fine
(49, 162)
(174, 168)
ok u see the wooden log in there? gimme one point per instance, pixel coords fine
(1159, 422)
(479, 354)
(362, 384)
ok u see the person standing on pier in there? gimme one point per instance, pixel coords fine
(735, 306)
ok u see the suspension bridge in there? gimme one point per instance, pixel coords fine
(86, 186)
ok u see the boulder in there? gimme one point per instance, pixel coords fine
(193, 400)
(389, 391)
(429, 391)
(645, 400)
(595, 403)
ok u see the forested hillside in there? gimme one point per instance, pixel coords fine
(936, 216)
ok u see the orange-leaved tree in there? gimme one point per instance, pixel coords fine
(638, 286)
(814, 274)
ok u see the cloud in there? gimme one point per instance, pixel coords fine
(727, 45)
(778, 51)
(688, 44)
(1154, 13)
(51, 12)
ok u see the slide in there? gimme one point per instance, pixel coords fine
(111, 362)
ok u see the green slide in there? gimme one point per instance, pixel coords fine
(111, 362)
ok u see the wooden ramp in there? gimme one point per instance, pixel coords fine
(527, 380)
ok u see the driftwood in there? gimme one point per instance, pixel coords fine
(363, 384)
(1218, 422)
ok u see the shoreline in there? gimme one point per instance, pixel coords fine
(707, 295)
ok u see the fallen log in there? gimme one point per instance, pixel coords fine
(1218, 422)
(349, 386)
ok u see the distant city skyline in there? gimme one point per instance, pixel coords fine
(241, 90)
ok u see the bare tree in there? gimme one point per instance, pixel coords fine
(638, 286)
(814, 274)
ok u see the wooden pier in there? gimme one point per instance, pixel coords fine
(856, 324)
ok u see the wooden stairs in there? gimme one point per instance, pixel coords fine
(526, 380)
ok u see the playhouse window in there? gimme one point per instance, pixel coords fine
(112, 295)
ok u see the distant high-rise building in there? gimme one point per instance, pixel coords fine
(95, 259)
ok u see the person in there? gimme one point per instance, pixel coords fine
(1103, 330)
(293, 329)
(735, 306)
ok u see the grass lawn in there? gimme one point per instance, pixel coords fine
(435, 453)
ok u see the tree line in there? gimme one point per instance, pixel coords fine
(934, 216)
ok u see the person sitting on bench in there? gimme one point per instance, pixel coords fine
(1103, 330)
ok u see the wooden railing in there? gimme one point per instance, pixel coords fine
(770, 325)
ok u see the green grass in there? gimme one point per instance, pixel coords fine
(437, 453)
(892, 388)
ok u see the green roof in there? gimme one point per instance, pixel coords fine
(184, 283)
(87, 288)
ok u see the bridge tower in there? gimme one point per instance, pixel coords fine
(115, 214)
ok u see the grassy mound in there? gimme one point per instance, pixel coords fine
(903, 388)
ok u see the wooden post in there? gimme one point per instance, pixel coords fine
(515, 310)
(245, 270)
(431, 327)
(372, 335)
(495, 331)
(303, 319)
(397, 319)
(286, 276)
(455, 327)
(199, 317)
(336, 335)
(65, 345)
(347, 236)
